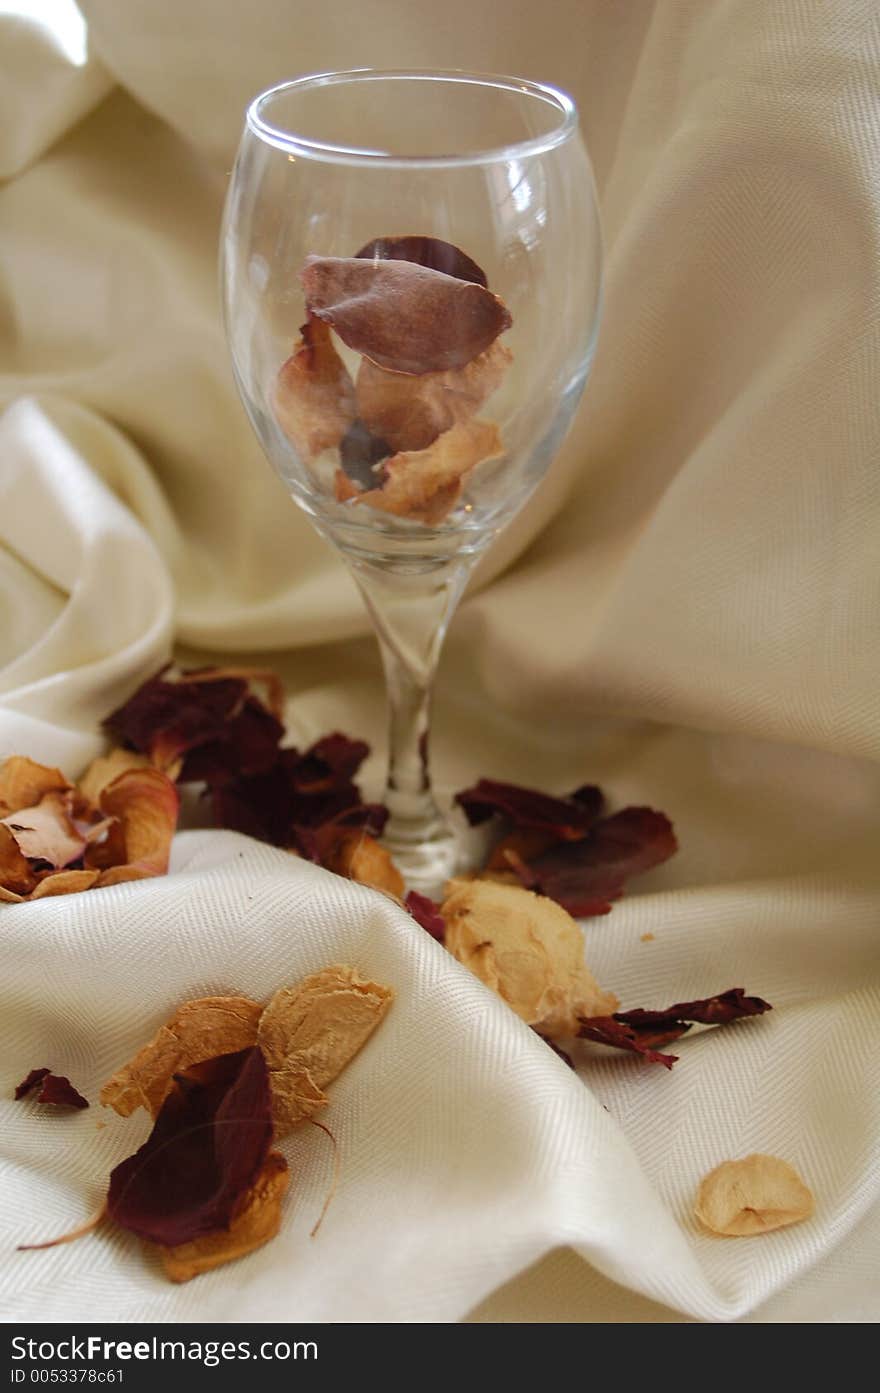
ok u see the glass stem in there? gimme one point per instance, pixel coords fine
(411, 609)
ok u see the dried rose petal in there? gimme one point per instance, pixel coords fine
(201, 1029)
(410, 412)
(166, 717)
(64, 883)
(426, 913)
(23, 782)
(608, 1030)
(425, 251)
(352, 852)
(103, 770)
(146, 804)
(46, 832)
(403, 316)
(359, 453)
(207, 1147)
(754, 1195)
(332, 760)
(313, 399)
(248, 744)
(17, 878)
(54, 1089)
(527, 949)
(425, 485)
(728, 1006)
(257, 1222)
(30, 1081)
(565, 818)
(310, 1032)
(586, 876)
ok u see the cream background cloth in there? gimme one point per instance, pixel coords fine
(686, 613)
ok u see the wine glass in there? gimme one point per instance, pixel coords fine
(411, 267)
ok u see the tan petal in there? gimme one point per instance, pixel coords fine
(313, 399)
(23, 782)
(405, 317)
(200, 1029)
(309, 1032)
(146, 804)
(16, 877)
(425, 485)
(64, 883)
(528, 950)
(103, 770)
(754, 1195)
(46, 832)
(410, 412)
(257, 1222)
(360, 857)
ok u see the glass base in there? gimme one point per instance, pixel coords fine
(426, 857)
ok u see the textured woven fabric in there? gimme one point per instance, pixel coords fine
(685, 613)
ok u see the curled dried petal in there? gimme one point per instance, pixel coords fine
(528, 950)
(256, 1223)
(405, 317)
(103, 770)
(146, 804)
(314, 400)
(360, 857)
(200, 1029)
(17, 879)
(46, 832)
(65, 883)
(425, 485)
(426, 913)
(309, 1032)
(410, 412)
(754, 1195)
(23, 782)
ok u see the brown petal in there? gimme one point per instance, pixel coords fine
(360, 857)
(264, 676)
(24, 782)
(313, 399)
(16, 877)
(45, 832)
(64, 883)
(425, 251)
(200, 1029)
(425, 485)
(103, 770)
(750, 1196)
(410, 412)
(257, 1222)
(404, 317)
(309, 1032)
(146, 804)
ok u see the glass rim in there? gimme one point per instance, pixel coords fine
(330, 152)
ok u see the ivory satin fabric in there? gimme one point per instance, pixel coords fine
(686, 613)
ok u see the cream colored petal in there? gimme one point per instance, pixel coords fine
(754, 1195)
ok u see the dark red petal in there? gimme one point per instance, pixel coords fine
(247, 743)
(332, 760)
(566, 818)
(731, 1005)
(606, 1030)
(165, 719)
(61, 1092)
(426, 913)
(206, 1149)
(585, 876)
(425, 251)
(34, 1077)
